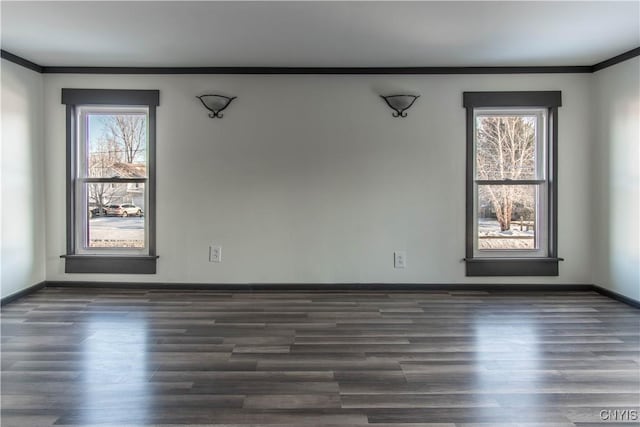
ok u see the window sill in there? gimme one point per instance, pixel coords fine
(512, 266)
(114, 264)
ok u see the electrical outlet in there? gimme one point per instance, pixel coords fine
(400, 259)
(215, 253)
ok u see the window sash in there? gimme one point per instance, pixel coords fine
(541, 168)
(83, 112)
(109, 180)
(82, 224)
(512, 182)
(541, 224)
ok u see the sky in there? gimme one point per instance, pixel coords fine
(97, 131)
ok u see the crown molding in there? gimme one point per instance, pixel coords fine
(321, 70)
(318, 70)
(616, 60)
(21, 61)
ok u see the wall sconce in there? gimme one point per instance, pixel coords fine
(400, 103)
(216, 104)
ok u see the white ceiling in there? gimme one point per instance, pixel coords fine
(319, 34)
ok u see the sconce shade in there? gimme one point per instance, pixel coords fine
(400, 103)
(215, 104)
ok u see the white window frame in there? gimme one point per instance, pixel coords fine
(540, 180)
(82, 179)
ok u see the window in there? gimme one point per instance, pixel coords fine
(511, 223)
(110, 180)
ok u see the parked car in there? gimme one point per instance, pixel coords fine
(95, 211)
(124, 210)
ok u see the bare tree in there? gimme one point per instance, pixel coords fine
(505, 151)
(102, 156)
(129, 132)
(123, 141)
(102, 194)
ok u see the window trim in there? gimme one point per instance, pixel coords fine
(76, 262)
(514, 265)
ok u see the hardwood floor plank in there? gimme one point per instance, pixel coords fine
(28, 420)
(418, 401)
(295, 401)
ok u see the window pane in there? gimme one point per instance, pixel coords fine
(507, 217)
(116, 145)
(506, 147)
(115, 215)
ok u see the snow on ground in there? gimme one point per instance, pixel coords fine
(116, 232)
(112, 232)
(490, 236)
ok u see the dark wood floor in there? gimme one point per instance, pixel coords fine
(441, 359)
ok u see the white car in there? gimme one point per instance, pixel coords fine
(124, 210)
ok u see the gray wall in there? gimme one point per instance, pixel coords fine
(22, 254)
(616, 178)
(310, 179)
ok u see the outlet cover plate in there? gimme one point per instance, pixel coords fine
(400, 259)
(215, 253)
